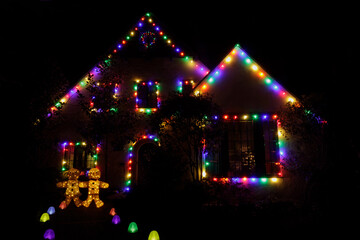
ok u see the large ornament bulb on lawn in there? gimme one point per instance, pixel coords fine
(72, 187)
(94, 186)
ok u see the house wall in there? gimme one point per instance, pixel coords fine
(238, 90)
(112, 162)
(248, 87)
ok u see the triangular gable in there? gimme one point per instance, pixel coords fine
(134, 34)
(239, 85)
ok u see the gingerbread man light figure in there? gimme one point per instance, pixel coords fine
(94, 186)
(72, 188)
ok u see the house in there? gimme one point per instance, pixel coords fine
(154, 65)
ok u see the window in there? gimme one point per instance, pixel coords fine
(147, 96)
(241, 148)
(186, 87)
(79, 155)
(249, 147)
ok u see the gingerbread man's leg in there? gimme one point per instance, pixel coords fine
(87, 202)
(77, 201)
(67, 201)
(98, 202)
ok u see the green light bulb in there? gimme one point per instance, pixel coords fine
(132, 227)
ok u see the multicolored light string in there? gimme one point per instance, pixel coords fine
(130, 159)
(251, 117)
(250, 64)
(183, 83)
(201, 69)
(248, 180)
(264, 116)
(68, 148)
(147, 83)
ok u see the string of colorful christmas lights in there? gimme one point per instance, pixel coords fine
(131, 156)
(246, 180)
(68, 153)
(249, 63)
(264, 116)
(146, 19)
(251, 117)
(202, 87)
(148, 84)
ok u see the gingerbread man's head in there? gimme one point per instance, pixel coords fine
(72, 174)
(94, 173)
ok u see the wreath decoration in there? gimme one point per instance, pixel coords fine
(148, 38)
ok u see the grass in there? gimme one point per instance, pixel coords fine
(184, 215)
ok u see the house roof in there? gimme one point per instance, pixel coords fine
(239, 85)
(146, 31)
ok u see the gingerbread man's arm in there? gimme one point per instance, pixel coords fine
(104, 184)
(83, 184)
(62, 184)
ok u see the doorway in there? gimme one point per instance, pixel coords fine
(145, 164)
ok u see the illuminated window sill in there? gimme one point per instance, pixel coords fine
(246, 180)
(146, 110)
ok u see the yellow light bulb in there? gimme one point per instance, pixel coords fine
(274, 179)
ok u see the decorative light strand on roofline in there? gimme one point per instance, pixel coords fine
(146, 19)
(252, 66)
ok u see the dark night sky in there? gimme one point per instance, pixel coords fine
(306, 47)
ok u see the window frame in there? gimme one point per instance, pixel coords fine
(218, 164)
(151, 85)
(72, 150)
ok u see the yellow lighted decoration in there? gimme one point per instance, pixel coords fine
(72, 188)
(94, 186)
(44, 217)
(154, 235)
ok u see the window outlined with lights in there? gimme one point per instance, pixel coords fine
(146, 94)
(79, 155)
(251, 147)
(185, 86)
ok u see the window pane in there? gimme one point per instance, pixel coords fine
(248, 148)
(147, 96)
(79, 155)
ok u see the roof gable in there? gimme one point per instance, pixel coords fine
(147, 33)
(238, 84)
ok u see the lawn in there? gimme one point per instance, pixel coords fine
(185, 215)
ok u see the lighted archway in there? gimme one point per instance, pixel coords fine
(131, 169)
